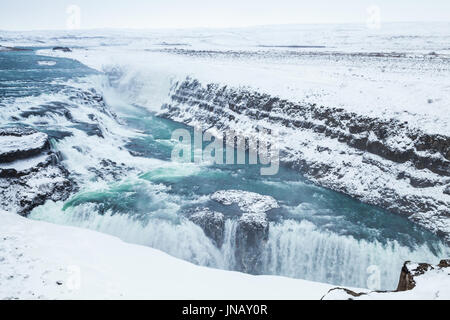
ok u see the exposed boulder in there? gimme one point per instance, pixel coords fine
(30, 172)
(106, 169)
(212, 223)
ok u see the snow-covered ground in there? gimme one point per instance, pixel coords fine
(39, 260)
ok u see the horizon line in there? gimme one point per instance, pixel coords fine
(215, 28)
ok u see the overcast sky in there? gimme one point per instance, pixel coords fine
(51, 14)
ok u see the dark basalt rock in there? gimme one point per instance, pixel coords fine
(444, 263)
(406, 281)
(447, 190)
(251, 236)
(349, 292)
(252, 227)
(63, 49)
(408, 273)
(30, 173)
(107, 169)
(212, 223)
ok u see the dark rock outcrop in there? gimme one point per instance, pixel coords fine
(252, 229)
(410, 271)
(447, 190)
(30, 172)
(252, 234)
(212, 223)
(21, 143)
(63, 49)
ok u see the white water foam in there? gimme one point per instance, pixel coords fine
(294, 249)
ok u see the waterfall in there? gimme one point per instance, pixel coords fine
(294, 249)
(301, 250)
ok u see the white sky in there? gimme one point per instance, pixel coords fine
(51, 14)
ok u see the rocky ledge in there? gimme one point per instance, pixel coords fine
(252, 226)
(30, 172)
(417, 281)
(382, 162)
(62, 49)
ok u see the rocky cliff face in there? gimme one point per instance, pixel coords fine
(382, 162)
(30, 172)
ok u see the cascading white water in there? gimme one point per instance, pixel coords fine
(294, 249)
(301, 250)
(182, 239)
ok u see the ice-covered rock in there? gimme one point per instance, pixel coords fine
(21, 143)
(30, 172)
(212, 223)
(253, 227)
(247, 201)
